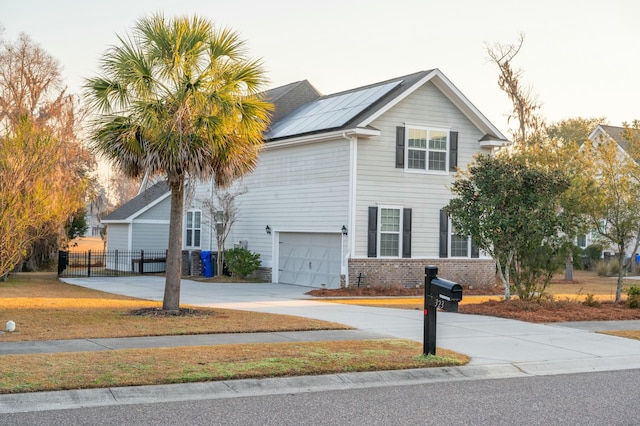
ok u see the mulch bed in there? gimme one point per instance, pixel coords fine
(393, 291)
(552, 311)
(158, 312)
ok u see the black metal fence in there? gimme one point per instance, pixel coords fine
(114, 263)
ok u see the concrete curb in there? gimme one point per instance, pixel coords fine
(118, 396)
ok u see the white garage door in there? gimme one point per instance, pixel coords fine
(310, 259)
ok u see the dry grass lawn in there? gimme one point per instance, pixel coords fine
(86, 243)
(629, 334)
(19, 373)
(45, 309)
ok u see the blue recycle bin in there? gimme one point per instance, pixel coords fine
(207, 265)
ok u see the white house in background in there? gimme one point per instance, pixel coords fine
(604, 133)
(350, 187)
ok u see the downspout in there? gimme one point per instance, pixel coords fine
(353, 166)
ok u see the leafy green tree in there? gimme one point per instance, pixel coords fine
(574, 130)
(511, 211)
(614, 201)
(179, 98)
(77, 226)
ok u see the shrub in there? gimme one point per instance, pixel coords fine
(614, 266)
(591, 301)
(592, 254)
(633, 299)
(602, 268)
(241, 262)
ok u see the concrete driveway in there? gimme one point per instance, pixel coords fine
(533, 348)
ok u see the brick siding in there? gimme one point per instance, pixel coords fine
(477, 273)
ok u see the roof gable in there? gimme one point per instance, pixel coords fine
(139, 204)
(610, 132)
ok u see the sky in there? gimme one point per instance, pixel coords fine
(580, 57)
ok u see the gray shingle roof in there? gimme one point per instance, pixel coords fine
(332, 108)
(136, 204)
(289, 97)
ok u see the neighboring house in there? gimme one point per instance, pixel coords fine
(350, 187)
(142, 223)
(94, 226)
(603, 133)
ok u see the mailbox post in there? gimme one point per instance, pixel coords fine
(438, 293)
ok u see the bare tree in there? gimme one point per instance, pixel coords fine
(222, 212)
(122, 188)
(525, 104)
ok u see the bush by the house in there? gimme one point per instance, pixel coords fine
(241, 262)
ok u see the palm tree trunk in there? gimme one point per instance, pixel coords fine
(171, 301)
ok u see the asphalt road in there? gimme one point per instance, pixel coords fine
(603, 398)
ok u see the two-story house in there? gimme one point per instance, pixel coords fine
(349, 188)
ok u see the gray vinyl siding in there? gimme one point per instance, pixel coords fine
(158, 212)
(118, 236)
(380, 183)
(150, 236)
(297, 188)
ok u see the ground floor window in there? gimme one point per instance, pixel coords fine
(389, 232)
(390, 222)
(193, 228)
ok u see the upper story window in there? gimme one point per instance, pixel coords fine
(193, 228)
(426, 149)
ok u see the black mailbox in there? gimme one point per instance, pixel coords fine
(446, 290)
(438, 294)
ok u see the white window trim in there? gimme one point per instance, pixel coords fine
(187, 230)
(379, 231)
(406, 150)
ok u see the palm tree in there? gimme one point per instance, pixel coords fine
(179, 98)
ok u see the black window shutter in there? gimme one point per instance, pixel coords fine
(453, 151)
(444, 234)
(372, 233)
(406, 233)
(400, 147)
(475, 251)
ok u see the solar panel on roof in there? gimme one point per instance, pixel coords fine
(330, 112)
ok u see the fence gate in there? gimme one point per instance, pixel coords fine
(113, 263)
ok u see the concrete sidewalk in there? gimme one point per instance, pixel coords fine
(110, 344)
(499, 347)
